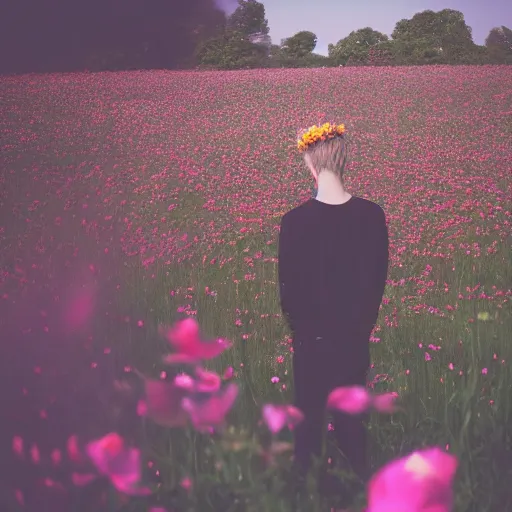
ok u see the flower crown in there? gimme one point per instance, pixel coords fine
(319, 133)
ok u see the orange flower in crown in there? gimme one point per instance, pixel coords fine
(320, 133)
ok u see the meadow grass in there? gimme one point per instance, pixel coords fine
(465, 407)
(185, 224)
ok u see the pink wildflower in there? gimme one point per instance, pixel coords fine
(277, 417)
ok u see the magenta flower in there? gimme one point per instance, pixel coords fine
(351, 399)
(420, 482)
(117, 462)
(385, 402)
(209, 411)
(357, 399)
(79, 308)
(163, 402)
(184, 337)
(277, 417)
(207, 382)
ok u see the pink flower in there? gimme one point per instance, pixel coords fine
(420, 482)
(274, 380)
(17, 445)
(163, 402)
(210, 411)
(277, 417)
(120, 464)
(352, 399)
(184, 337)
(81, 480)
(208, 382)
(385, 402)
(73, 449)
(186, 483)
(228, 373)
(79, 308)
(357, 399)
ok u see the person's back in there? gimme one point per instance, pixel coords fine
(333, 262)
(325, 251)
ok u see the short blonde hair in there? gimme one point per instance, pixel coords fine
(330, 155)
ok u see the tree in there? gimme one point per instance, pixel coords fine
(230, 50)
(499, 45)
(299, 45)
(433, 37)
(354, 49)
(249, 18)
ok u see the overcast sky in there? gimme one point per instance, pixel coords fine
(332, 20)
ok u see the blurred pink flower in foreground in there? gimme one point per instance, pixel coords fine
(117, 462)
(357, 399)
(277, 417)
(209, 411)
(420, 482)
(352, 399)
(185, 339)
(79, 308)
(164, 400)
(163, 403)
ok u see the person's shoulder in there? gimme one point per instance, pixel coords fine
(371, 207)
(296, 212)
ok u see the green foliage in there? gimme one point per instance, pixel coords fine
(499, 45)
(249, 18)
(231, 50)
(435, 38)
(300, 45)
(354, 48)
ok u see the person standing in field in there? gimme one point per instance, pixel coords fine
(333, 264)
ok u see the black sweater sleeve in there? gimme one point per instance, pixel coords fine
(285, 271)
(372, 273)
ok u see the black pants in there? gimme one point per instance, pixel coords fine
(319, 367)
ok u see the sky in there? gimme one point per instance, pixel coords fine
(332, 20)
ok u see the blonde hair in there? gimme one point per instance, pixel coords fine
(331, 155)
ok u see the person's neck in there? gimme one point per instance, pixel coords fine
(330, 189)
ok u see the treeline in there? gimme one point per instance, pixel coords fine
(427, 38)
(102, 35)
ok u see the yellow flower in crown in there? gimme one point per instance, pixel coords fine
(320, 133)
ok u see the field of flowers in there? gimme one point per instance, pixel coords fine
(129, 201)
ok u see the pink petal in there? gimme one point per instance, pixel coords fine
(35, 454)
(120, 464)
(211, 412)
(228, 373)
(274, 417)
(102, 451)
(385, 402)
(73, 449)
(126, 487)
(80, 308)
(184, 337)
(420, 482)
(80, 480)
(277, 417)
(209, 382)
(19, 497)
(163, 400)
(351, 400)
(142, 408)
(184, 333)
(17, 446)
(185, 382)
(180, 359)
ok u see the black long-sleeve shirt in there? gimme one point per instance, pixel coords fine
(333, 264)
